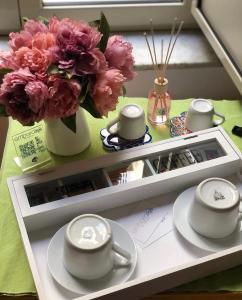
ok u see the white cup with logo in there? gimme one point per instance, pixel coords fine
(215, 209)
(89, 249)
(130, 124)
(200, 115)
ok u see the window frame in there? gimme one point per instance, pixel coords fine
(9, 16)
(217, 45)
(121, 17)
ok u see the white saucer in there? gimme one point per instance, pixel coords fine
(180, 219)
(115, 276)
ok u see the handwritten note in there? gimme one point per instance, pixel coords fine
(151, 220)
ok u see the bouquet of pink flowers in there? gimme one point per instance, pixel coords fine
(54, 66)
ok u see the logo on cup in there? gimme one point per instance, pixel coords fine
(218, 196)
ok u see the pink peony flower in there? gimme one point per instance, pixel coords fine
(6, 60)
(43, 41)
(76, 50)
(20, 39)
(33, 27)
(106, 90)
(36, 60)
(119, 56)
(87, 36)
(38, 94)
(53, 24)
(63, 101)
(24, 98)
(92, 62)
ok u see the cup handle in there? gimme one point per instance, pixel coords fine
(240, 209)
(119, 263)
(240, 196)
(239, 175)
(110, 124)
(219, 122)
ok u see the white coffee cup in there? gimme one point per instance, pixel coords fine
(215, 212)
(89, 249)
(130, 124)
(200, 115)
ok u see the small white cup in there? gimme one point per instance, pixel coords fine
(89, 249)
(130, 124)
(200, 115)
(215, 212)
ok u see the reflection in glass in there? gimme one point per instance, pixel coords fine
(128, 172)
(186, 156)
(121, 173)
(69, 186)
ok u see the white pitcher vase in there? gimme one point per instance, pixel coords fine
(61, 140)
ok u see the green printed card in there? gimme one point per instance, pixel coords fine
(30, 148)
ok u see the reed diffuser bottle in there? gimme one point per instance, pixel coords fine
(159, 100)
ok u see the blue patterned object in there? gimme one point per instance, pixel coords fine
(113, 142)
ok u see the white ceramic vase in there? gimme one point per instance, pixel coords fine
(61, 140)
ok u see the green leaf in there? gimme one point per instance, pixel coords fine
(3, 111)
(89, 105)
(68, 75)
(70, 122)
(43, 20)
(53, 69)
(25, 19)
(124, 90)
(105, 30)
(30, 124)
(4, 71)
(95, 23)
(85, 89)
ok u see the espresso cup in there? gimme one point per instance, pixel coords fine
(200, 115)
(215, 212)
(89, 249)
(130, 124)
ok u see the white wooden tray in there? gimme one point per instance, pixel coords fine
(165, 258)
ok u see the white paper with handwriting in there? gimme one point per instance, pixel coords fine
(151, 220)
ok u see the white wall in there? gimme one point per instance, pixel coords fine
(213, 83)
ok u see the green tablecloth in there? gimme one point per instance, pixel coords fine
(15, 275)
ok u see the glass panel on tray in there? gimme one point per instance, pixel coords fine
(69, 186)
(186, 156)
(128, 171)
(120, 173)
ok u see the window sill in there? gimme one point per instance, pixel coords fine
(191, 51)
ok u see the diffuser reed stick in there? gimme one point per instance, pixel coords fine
(161, 57)
(153, 41)
(151, 56)
(171, 37)
(172, 48)
(160, 83)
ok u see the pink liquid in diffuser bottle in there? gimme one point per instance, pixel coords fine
(159, 102)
